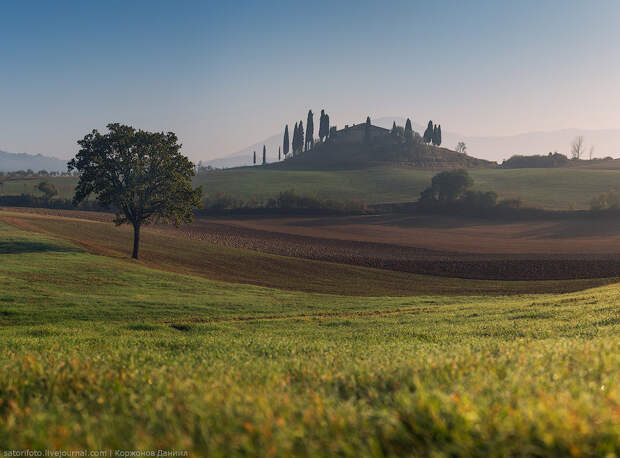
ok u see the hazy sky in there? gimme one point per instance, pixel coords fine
(223, 75)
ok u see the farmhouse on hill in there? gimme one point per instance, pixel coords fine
(357, 133)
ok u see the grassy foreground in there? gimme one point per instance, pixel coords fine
(100, 352)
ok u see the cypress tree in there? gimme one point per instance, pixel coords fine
(300, 145)
(428, 133)
(286, 142)
(254, 157)
(367, 130)
(264, 155)
(326, 125)
(408, 130)
(394, 128)
(322, 133)
(295, 139)
(279, 154)
(439, 135)
(368, 120)
(309, 131)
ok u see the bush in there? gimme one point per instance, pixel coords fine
(607, 201)
(27, 200)
(48, 189)
(285, 202)
(536, 161)
(450, 193)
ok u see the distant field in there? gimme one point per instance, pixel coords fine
(101, 352)
(582, 236)
(562, 188)
(179, 251)
(545, 188)
(64, 185)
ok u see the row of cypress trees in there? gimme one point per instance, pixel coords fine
(432, 134)
(305, 141)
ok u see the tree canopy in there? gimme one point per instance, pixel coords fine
(48, 189)
(141, 175)
(448, 186)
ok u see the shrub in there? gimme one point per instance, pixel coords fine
(536, 161)
(605, 202)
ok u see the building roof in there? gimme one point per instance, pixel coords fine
(362, 125)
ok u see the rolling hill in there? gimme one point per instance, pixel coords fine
(606, 142)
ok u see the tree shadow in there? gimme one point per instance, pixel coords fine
(25, 246)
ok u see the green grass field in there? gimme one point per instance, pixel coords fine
(562, 188)
(102, 352)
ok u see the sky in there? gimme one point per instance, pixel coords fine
(224, 75)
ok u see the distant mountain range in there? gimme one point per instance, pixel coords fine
(11, 162)
(497, 148)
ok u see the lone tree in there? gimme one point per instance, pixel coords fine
(279, 154)
(285, 142)
(48, 189)
(264, 155)
(141, 175)
(254, 157)
(309, 131)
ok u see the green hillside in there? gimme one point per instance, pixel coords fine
(559, 188)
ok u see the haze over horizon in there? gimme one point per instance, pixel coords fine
(224, 78)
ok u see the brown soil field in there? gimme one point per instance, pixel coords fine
(473, 249)
(570, 236)
(170, 249)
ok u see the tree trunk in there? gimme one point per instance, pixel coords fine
(136, 240)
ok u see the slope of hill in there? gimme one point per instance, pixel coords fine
(11, 162)
(176, 362)
(387, 150)
(243, 157)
